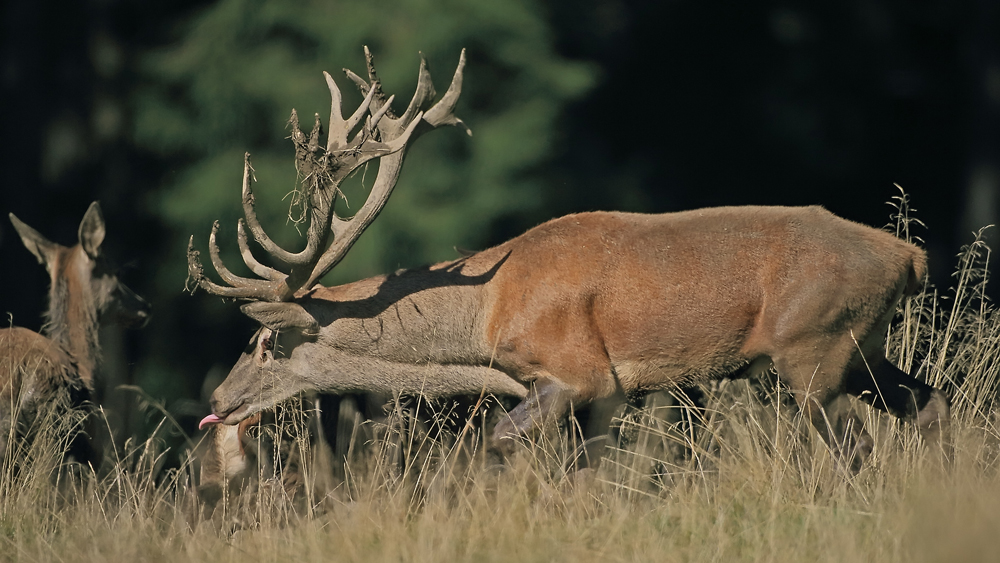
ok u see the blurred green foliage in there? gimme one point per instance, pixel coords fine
(228, 86)
(229, 82)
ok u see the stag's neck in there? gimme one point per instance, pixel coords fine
(431, 315)
(72, 322)
(421, 328)
(343, 372)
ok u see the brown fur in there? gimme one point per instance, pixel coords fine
(582, 310)
(84, 293)
(588, 308)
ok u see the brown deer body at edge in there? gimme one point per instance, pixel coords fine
(84, 293)
(585, 310)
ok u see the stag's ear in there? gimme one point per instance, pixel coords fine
(279, 316)
(43, 249)
(92, 230)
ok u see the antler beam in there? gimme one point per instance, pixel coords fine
(322, 170)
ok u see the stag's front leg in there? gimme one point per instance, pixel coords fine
(571, 370)
(548, 402)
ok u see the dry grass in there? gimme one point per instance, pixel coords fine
(745, 478)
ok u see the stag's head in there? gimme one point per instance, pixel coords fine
(273, 367)
(84, 272)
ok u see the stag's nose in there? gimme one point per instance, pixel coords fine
(212, 418)
(214, 403)
(218, 407)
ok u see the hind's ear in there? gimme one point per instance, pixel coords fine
(43, 249)
(91, 232)
(279, 316)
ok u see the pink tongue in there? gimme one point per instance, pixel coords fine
(210, 419)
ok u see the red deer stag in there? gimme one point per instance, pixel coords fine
(84, 293)
(583, 310)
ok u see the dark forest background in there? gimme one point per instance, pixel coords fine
(659, 106)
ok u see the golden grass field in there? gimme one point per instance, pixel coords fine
(749, 480)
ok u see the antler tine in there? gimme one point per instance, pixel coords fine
(291, 259)
(261, 270)
(370, 64)
(231, 278)
(339, 128)
(220, 268)
(336, 136)
(314, 134)
(373, 83)
(395, 134)
(424, 92)
(358, 81)
(359, 113)
(322, 169)
(380, 113)
(273, 288)
(442, 112)
(248, 289)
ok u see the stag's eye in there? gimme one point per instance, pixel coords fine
(267, 341)
(266, 344)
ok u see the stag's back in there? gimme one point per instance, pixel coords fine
(677, 297)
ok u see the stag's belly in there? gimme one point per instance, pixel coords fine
(638, 377)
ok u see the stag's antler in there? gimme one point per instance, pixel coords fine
(322, 170)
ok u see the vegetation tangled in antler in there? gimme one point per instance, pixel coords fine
(322, 170)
